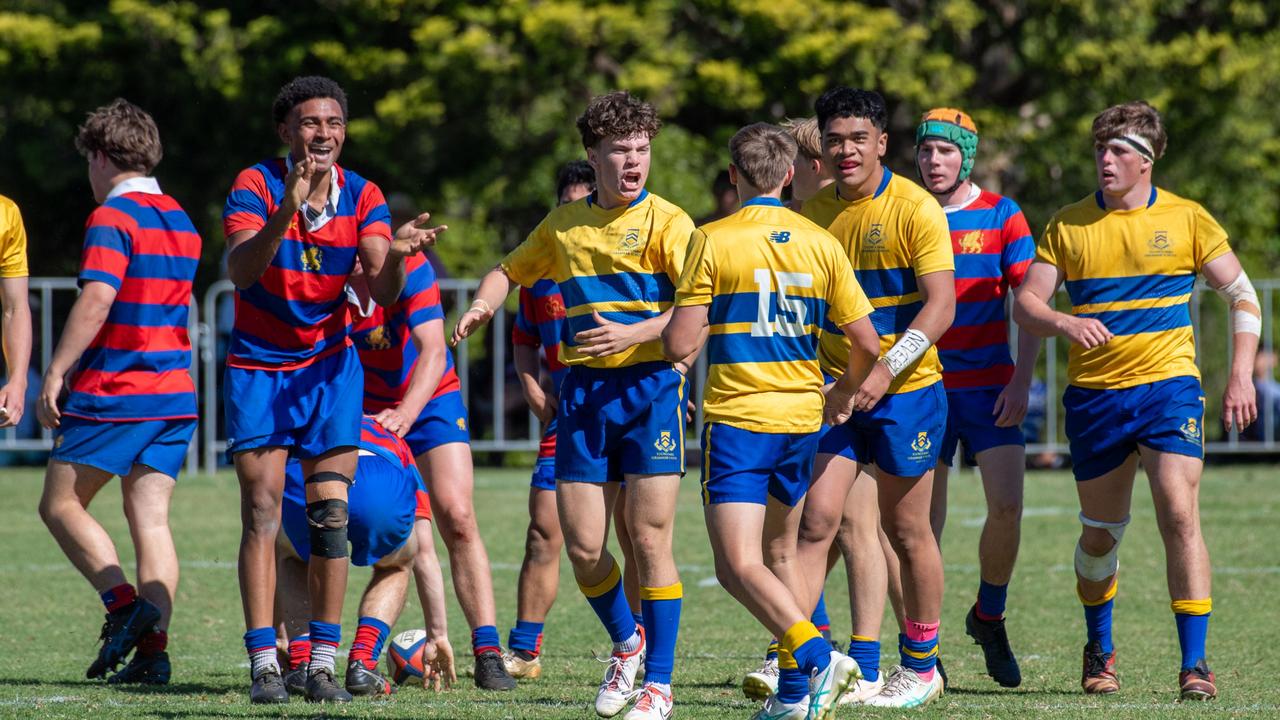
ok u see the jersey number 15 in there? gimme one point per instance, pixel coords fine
(791, 311)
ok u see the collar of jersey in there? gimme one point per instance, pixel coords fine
(334, 190)
(1097, 197)
(591, 200)
(974, 193)
(884, 183)
(763, 201)
(145, 185)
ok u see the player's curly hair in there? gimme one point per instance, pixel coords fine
(575, 172)
(618, 114)
(1138, 118)
(847, 102)
(304, 88)
(125, 133)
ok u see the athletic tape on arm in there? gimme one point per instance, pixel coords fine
(909, 348)
(1246, 310)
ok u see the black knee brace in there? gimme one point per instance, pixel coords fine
(328, 477)
(328, 522)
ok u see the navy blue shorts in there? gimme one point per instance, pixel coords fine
(970, 420)
(117, 446)
(1105, 427)
(901, 435)
(380, 505)
(309, 410)
(741, 466)
(443, 421)
(627, 420)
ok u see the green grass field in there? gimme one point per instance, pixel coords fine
(51, 617)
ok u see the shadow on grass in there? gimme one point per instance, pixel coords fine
(187, 688)
(1011, 692)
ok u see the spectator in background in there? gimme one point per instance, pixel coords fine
(725, 196)
(1268, 390)
(17, 313)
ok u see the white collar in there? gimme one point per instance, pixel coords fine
(974, 192)
(146, 185)
(364, 309)
(334, 190)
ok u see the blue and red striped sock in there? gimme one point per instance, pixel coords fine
(367, 645)
(299, 651)
(119, 597)
(260, 644)
(991, 601)
(526, 636)
(325, 638)
(485, 639)
(820, 619)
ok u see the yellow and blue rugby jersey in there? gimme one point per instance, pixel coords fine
(622, 263)
(893, 237)
(13, 241)
(823, 207)
(771, 278)
(1133, 270)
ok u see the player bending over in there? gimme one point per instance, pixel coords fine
(616, 256)
(764, 281)
(386, 501)
(1129, 254)
(131, 406)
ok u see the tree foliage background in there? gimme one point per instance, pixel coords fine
(469, 107)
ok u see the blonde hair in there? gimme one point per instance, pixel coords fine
(806, 134)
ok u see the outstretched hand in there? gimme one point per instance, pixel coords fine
(413, 237)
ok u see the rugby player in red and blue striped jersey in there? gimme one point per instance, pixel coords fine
(986, 391)
(294, 228)
(131, 409)
(411, 387)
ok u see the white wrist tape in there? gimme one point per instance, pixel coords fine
(1246, 310)
(909, 348)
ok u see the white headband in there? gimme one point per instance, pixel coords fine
(1138, 143)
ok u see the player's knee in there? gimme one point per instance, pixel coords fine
(1179, 526)
(327, 521)
(1097, 552)
(1004, 511)
(542, 547)
(261, 514)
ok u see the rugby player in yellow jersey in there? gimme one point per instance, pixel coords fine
(15, 335)
(811, 172)
(1129, 255)
(896, 235)
(616, 255)
(762, 281)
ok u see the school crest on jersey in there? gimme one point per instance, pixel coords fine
(554, 307)
(922, 443)
(630, 243)
(312, 258)
(378, 339)
(873, 241)
(1160, 245)
(971, 242)
(461, 423)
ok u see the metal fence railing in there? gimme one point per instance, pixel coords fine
(490, 397)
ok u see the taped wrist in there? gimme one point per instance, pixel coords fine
(911, 346)
(1246, 309)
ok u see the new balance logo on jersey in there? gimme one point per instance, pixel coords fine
(780, 236)
(312, 257)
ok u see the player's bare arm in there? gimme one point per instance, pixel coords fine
(850, 392)
(493, 290)
(938, 291)
(87, 317)
(685, 332)
(1032, 312)
(428, 338)
(528, 371)
(384, 263)
(1011, 405)
(1239, 400)
(251, 252)
(17, 348)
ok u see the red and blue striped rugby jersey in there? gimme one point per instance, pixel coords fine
(138, 367)
(384, 339)
(540, 322)
(296, 312)
(993, 248)
(382, 442)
